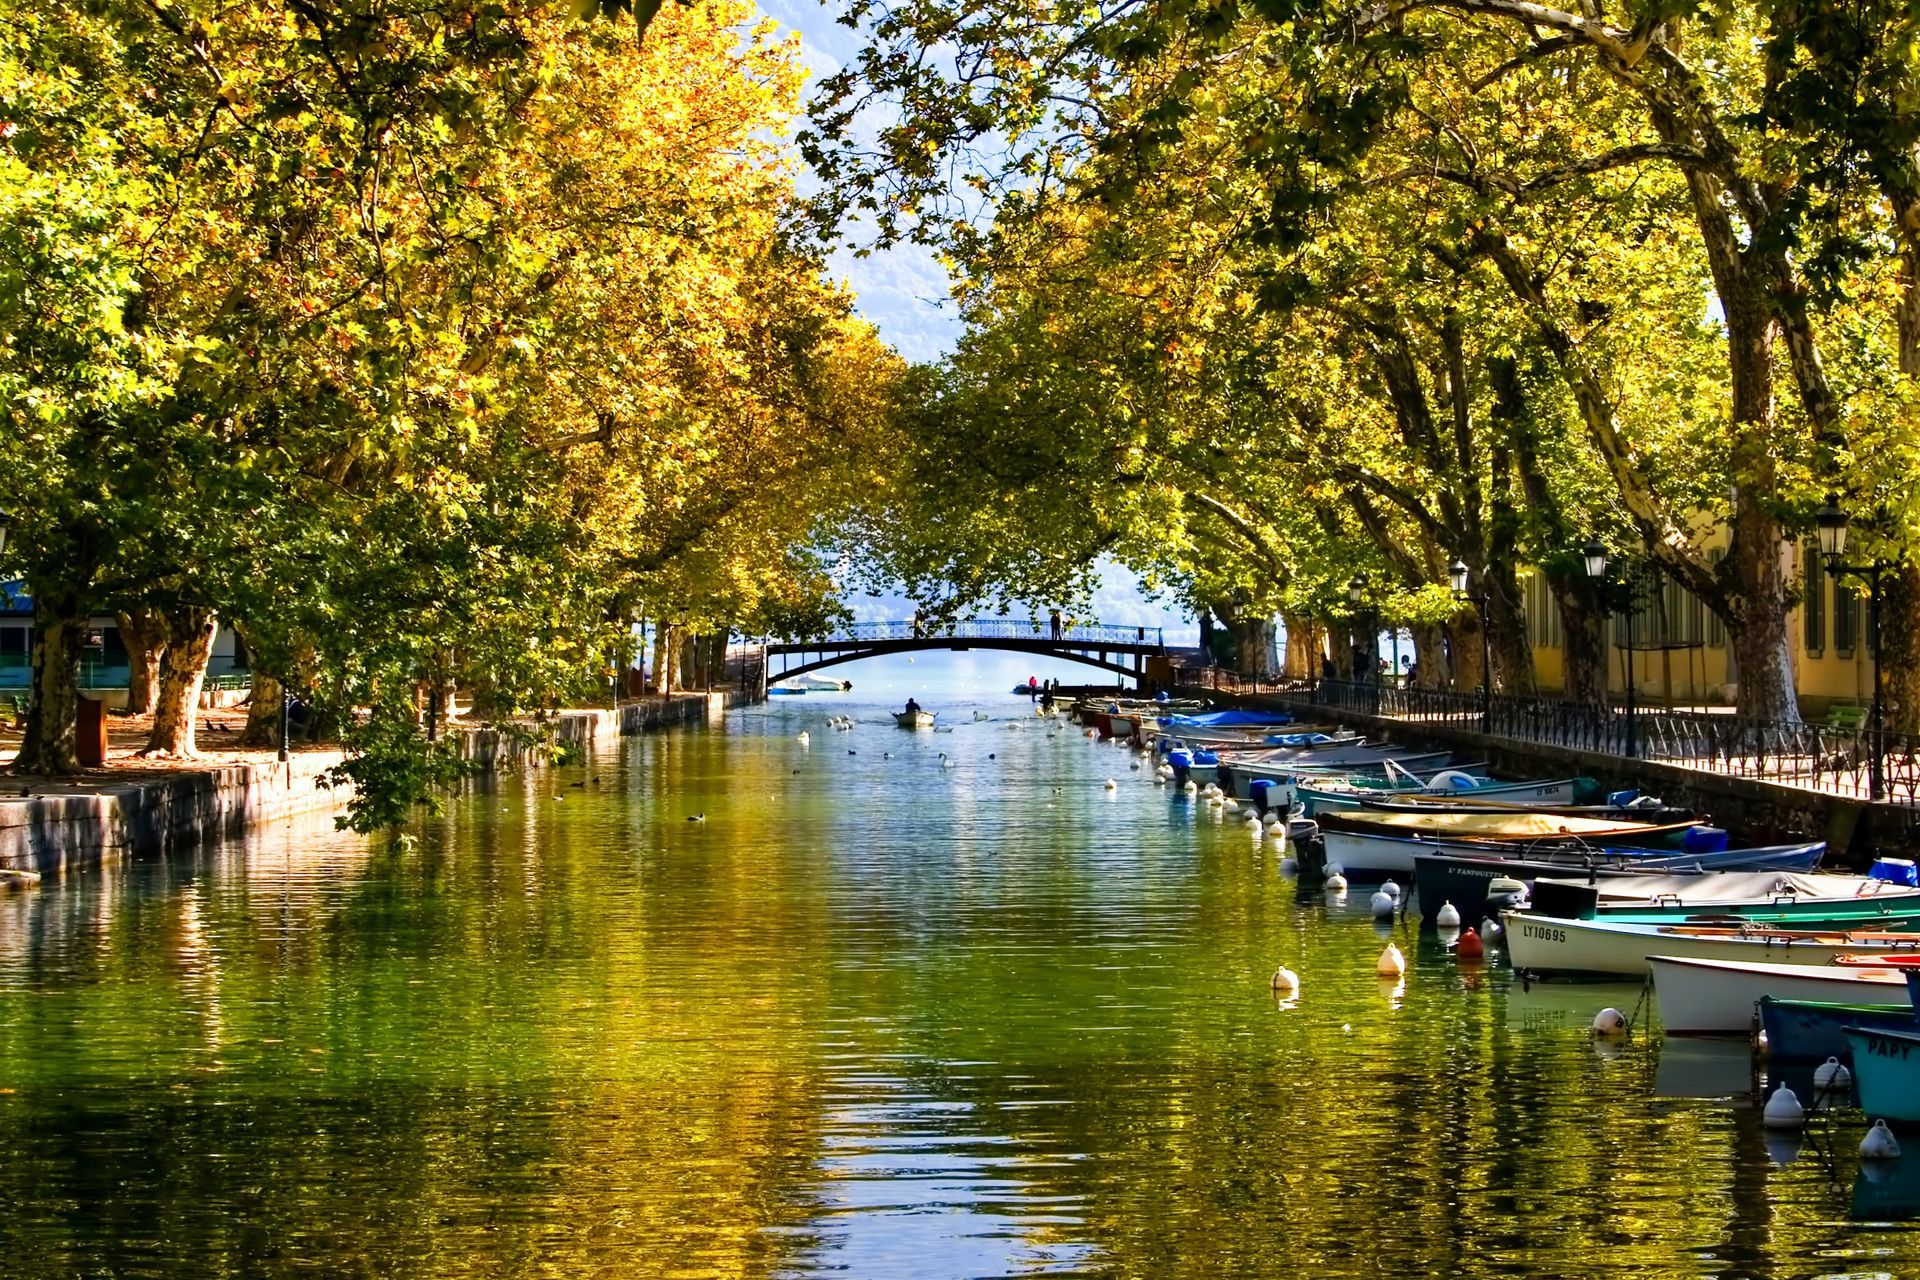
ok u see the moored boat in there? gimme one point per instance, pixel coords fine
(1718, 997)
(1478, 795)
(1459, 872)
(1557, 945)
(1886, 1072)
(1815, 1030)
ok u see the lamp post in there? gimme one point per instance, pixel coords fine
(1594, 554)
(1457, 579)
(1831, 523)
(1356, 597)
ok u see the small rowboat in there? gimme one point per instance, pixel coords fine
(1815, 1030)
(1557, 945)
(1717, 997)
(1886, 1070)
(914, 719)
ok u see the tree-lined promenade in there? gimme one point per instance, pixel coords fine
(424, 345)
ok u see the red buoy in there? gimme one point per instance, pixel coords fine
(1469, 947)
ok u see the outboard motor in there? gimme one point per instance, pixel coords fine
(1256, 791)
(1182, 761)
(1268, 794)
(1504, 893)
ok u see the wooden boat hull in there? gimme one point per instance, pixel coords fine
(914, 719)
(1815, 1030)
(1558, 794)
(1718, 997)
(1557, 946)
(1235, 776)
(1886, 1072)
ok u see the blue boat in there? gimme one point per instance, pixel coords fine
(1228, 720)
(1813, 1030)
(1886, 1071)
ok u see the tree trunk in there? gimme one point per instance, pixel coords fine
(144, 632)
(1583, 639)
(263, 711)
(1254, 638)
(1304, 647)
(183, 669)
(1758, 632)
(1512, 654)
(52, 741)
(1899, 650)
(666, 658)
(1463, 635)
(1429, 656)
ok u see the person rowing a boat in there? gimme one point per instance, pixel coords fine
(913, 708)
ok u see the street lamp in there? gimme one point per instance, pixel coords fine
(1831, 524)
(1595, 556)
(1457, 579)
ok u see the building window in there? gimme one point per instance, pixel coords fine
(1846, 619)
(1813, 601)
(13, 646)
(1543, 613)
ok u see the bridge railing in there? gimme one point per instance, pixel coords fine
(1080, 634)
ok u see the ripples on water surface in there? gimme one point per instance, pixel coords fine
(872, 1017)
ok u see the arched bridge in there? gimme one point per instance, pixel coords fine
(1122, 650)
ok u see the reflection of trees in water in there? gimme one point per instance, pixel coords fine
(484, 1058)
(571, 1031)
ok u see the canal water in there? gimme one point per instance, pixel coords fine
(934, 1005)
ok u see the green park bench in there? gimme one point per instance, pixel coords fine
(1846, 716)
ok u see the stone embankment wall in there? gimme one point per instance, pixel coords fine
(492, 748)
(60, 828)
(1754, 812)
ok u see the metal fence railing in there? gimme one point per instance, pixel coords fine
(1801, 753)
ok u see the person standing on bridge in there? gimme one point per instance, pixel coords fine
(918, 629)
(1053, 624)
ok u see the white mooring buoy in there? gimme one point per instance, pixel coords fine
(1336, 884)
(1383, 905)
(1112, 785)
(1392, 963)
(1448, 917)
(1783, 1110)
(1285, 979)
(1391, 889)
(1879, 1144)
(1832, 1076)
(1609, 1023)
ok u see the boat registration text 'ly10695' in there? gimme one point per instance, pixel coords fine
(1542, 932)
